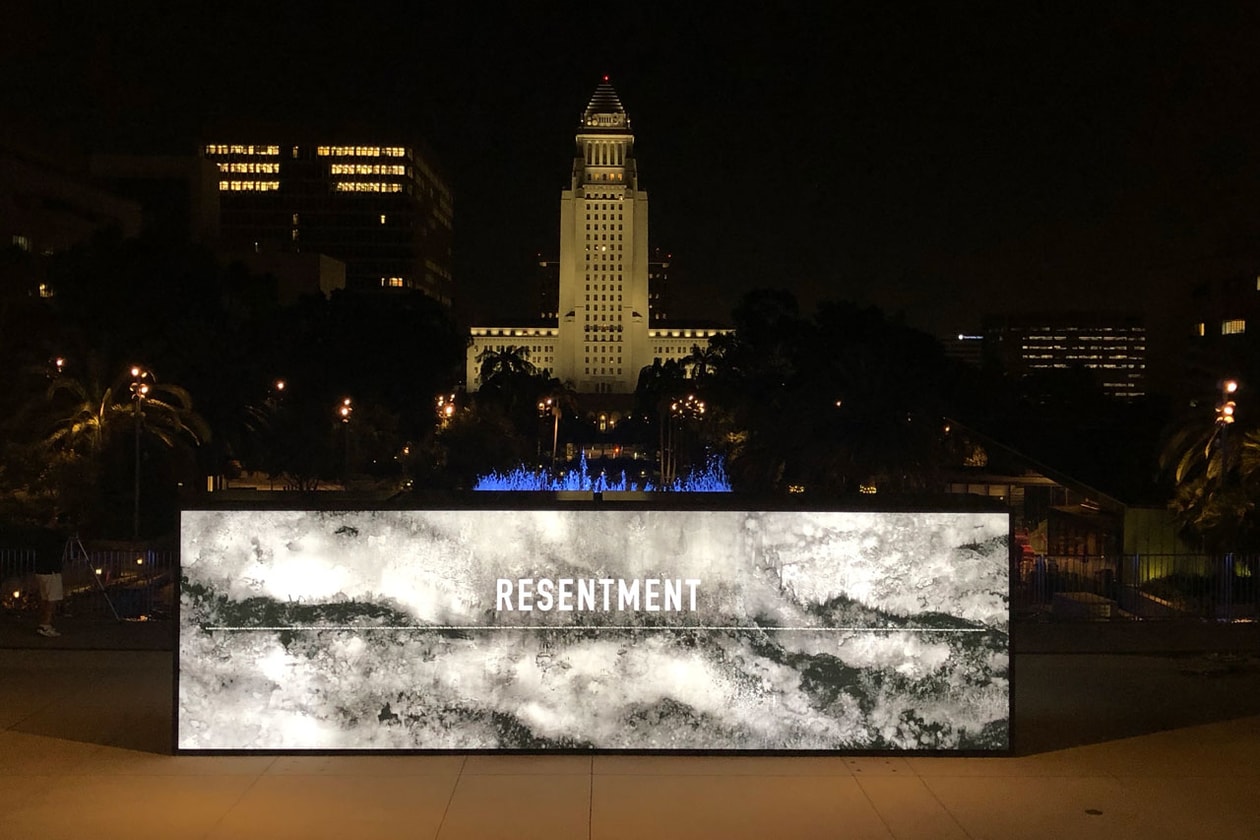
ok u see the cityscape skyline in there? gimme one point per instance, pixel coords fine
(931, 163)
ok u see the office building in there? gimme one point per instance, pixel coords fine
(178, 194)
(49, 202)
(1111, 346)
(1222, 334)
(658, 286)
(965, 347)
(384, 211)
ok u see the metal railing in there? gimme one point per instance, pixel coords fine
(1133, 586)
(122, 583)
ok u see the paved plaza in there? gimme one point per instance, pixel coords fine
(1157, 741)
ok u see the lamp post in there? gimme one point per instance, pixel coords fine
(1225, 409)
(1224, 419)
(345, 409)
(140, 385)
(680, 411)
(548, 406)
(445, 409)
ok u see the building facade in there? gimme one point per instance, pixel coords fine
(382, 210)
(49, 202)
(548, 291)
(1224, 334)
(1111, 346)
(965, 347)
(602, 333)
(659, 303)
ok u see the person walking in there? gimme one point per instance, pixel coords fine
(48, 557)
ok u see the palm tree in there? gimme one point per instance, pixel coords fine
(701, 361)
(511, 361)
(1216, 471)
(81, 425)
(556, 400)
(88, 418)
(512, 383)
(89, 413)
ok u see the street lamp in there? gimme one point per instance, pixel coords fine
(141, 380)
(680, 411)
(549, 406)
(1225, 409)
(445, 409)
(1226, 406)
(344, 410)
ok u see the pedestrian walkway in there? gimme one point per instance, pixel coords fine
(86, 632)
(1107, 746)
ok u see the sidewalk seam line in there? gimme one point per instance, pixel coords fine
(451, 798)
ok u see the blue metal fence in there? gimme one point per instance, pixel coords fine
(1148, 586)
(123, 583)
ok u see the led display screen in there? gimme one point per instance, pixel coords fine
(593, 628)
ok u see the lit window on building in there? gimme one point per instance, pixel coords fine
(367, 169)
(249, 168)
(366, 186)
(360, 151)
(249, 186)
(392, 282)
(238, 149)
(1234, 326)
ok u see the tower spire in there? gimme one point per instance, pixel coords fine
(605, 109)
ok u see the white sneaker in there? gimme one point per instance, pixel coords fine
(47, 630)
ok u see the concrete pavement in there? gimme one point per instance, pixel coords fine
(1147, 745)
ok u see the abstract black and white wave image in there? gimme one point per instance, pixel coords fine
(390, 630)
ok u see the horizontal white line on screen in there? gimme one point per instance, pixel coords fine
(310, 627)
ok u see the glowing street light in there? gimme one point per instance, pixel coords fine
(445, 409)
(548, 405)
(344, 410)
(680, 411)
(1226, 407)
(141, 380)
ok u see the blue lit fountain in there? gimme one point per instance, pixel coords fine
(711, 479)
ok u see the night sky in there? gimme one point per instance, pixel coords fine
(935, 161)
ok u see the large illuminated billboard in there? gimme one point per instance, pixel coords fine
(597, 626)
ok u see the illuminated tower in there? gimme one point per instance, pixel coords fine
(603, 324)
(599, 337)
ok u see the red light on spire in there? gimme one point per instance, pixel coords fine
(605, 77)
